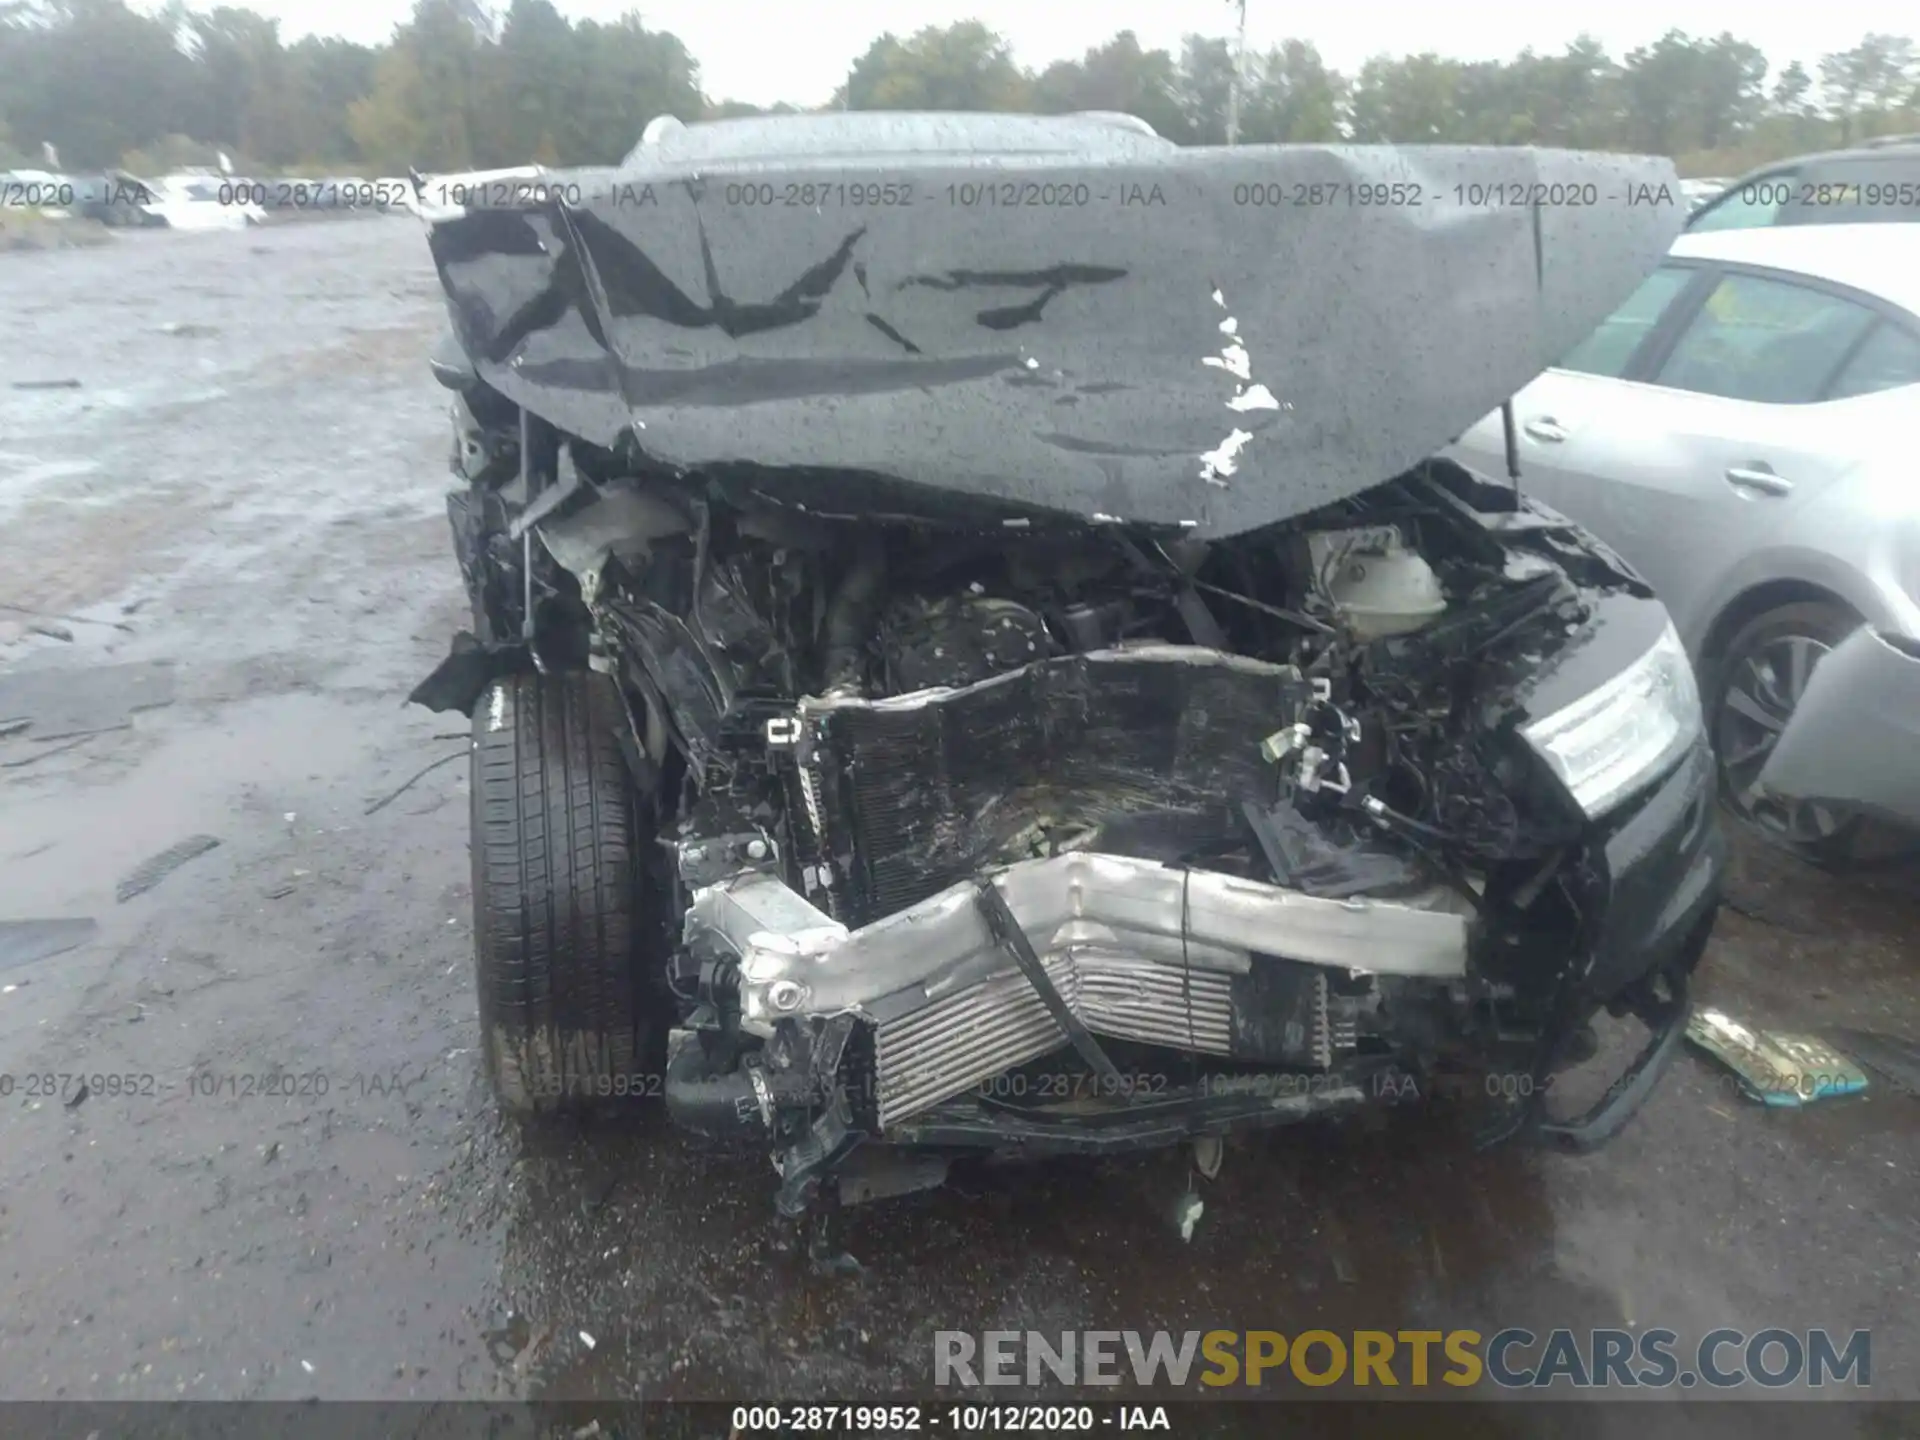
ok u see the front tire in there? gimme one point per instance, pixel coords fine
(566, 930)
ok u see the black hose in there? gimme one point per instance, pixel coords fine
(1421, 839)
(720, 1107)
(850, 616)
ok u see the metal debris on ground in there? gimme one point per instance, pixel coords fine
(1773, 1067)
(1208, 1152)
(149, 873)
(1187, 1211)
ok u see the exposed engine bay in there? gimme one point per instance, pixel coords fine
(1003, 680)
(1022, 833)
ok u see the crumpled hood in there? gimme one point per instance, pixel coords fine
(1219, 338)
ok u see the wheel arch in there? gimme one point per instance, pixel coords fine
(1756, 600)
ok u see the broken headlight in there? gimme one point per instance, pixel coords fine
(1628, 731)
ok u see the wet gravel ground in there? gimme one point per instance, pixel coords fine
(249, 478)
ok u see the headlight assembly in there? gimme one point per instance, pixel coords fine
(1630, 730)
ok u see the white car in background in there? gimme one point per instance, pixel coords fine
(1744, 430)
(1698, 192)
(203, 202)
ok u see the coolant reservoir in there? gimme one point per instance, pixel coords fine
(1378, 586)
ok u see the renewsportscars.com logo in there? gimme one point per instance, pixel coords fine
(1509, 1359)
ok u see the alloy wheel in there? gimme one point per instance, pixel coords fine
(1763, 687)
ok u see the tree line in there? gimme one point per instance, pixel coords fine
(461, 85)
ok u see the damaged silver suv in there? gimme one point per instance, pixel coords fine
(970, 654)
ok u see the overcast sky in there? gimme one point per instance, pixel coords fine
(766, 50)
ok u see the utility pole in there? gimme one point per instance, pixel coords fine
(1233, 75)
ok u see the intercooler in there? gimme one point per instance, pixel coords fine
(1193, 960)
(964, 1040)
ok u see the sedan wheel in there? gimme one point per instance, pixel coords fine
(1764, 673)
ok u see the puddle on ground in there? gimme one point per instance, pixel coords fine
(182, 771)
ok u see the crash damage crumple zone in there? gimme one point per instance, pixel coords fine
(1135, 706)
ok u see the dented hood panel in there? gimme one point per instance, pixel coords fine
(1221, 338)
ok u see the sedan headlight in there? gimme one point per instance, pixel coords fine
(1628, 731)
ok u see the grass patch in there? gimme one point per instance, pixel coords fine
(30, 230)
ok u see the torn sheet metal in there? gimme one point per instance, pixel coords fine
(1775, 1068)
(1855, 732)
(1045, 329)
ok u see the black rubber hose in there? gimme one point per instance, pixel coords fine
(720, 1107)
(850, 616)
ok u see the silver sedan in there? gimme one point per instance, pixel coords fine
(1744, 430)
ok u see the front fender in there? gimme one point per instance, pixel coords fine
(1791, 564)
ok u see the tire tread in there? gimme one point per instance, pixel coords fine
(556, 894)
